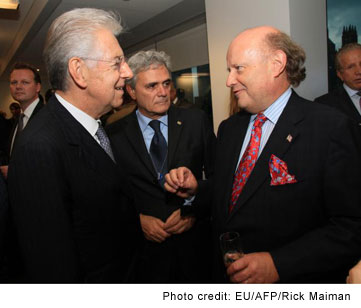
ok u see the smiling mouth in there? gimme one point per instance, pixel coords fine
(118, 88)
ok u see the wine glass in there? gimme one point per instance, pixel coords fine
(231, 247)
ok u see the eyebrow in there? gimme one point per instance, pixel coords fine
(155, 83)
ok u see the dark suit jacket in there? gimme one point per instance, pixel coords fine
(5, 128)
(69, 203)
(340, 100)
(38, 107)
(183, 103)
(191, 144)
(3, 216)
(312, 227)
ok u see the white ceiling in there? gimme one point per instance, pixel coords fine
(22, 33)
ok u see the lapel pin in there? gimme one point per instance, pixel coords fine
(289, 138)
(179, 122)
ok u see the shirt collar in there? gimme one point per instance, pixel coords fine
(273, 112)
(144, 121)
(89, 123)
(350, 92)
(29, 110)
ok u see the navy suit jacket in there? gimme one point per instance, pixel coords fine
(70, 203)
(191, 143)
(312, 227)
(340, 100)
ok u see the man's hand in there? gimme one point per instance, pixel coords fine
(182, 182)
(354, 275)
(176, 224)
(4, 171)
(253, 268)
(153, 228)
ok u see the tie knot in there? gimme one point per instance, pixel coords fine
(260, 119)
(155, 124)
(100, 132)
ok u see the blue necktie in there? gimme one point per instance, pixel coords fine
(104, 141)
(158, 149)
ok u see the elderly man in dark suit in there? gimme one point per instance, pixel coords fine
(348, 98)
(287, 172)
(69, 198)
(152, 140)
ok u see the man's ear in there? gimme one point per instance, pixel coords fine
(279, 61)
(78, 72)
(339, 75)
(131, 92)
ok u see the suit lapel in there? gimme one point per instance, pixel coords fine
(230, 151)
(349, 106)
(135, 138)
(175, 126)
(81, 142)
(283, 135)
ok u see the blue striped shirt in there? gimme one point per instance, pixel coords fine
(272, 113)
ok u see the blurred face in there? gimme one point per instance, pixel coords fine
(15, 110)
(23, 87)
(250, 75)
(350, 72)
(105, 83)
(152, 92)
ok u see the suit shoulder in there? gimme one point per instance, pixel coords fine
(331, 97)
(119, 125)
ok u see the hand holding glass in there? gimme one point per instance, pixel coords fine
(231, 247)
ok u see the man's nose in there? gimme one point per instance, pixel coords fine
(162, 90)
(230, 79)
(125, 71)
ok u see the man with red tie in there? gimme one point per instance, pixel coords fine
(287, 172)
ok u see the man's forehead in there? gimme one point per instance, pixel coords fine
(22, 73)
(159, 73)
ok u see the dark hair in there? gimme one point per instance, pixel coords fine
(26, 66)
(344, 49)
(296, 57)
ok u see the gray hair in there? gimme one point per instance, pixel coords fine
(296, 56)
(144, 60)
(343, 50)
(72, 35)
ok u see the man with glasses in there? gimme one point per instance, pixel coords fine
(70, 201)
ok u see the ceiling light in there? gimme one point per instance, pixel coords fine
(9, 4)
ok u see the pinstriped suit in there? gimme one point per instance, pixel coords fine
(70, 203)
(312, 228)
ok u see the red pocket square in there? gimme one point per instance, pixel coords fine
(279, 172)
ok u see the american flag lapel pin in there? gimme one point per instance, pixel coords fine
(289, 138)
(179, 122)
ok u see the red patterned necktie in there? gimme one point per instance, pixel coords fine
(248, 160)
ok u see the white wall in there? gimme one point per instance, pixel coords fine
(304, 20)
(189, 48)
(309, 29)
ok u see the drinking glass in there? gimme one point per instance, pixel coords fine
(231, 247)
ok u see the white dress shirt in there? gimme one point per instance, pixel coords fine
(89, 123)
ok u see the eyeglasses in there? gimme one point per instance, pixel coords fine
(117, 63)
